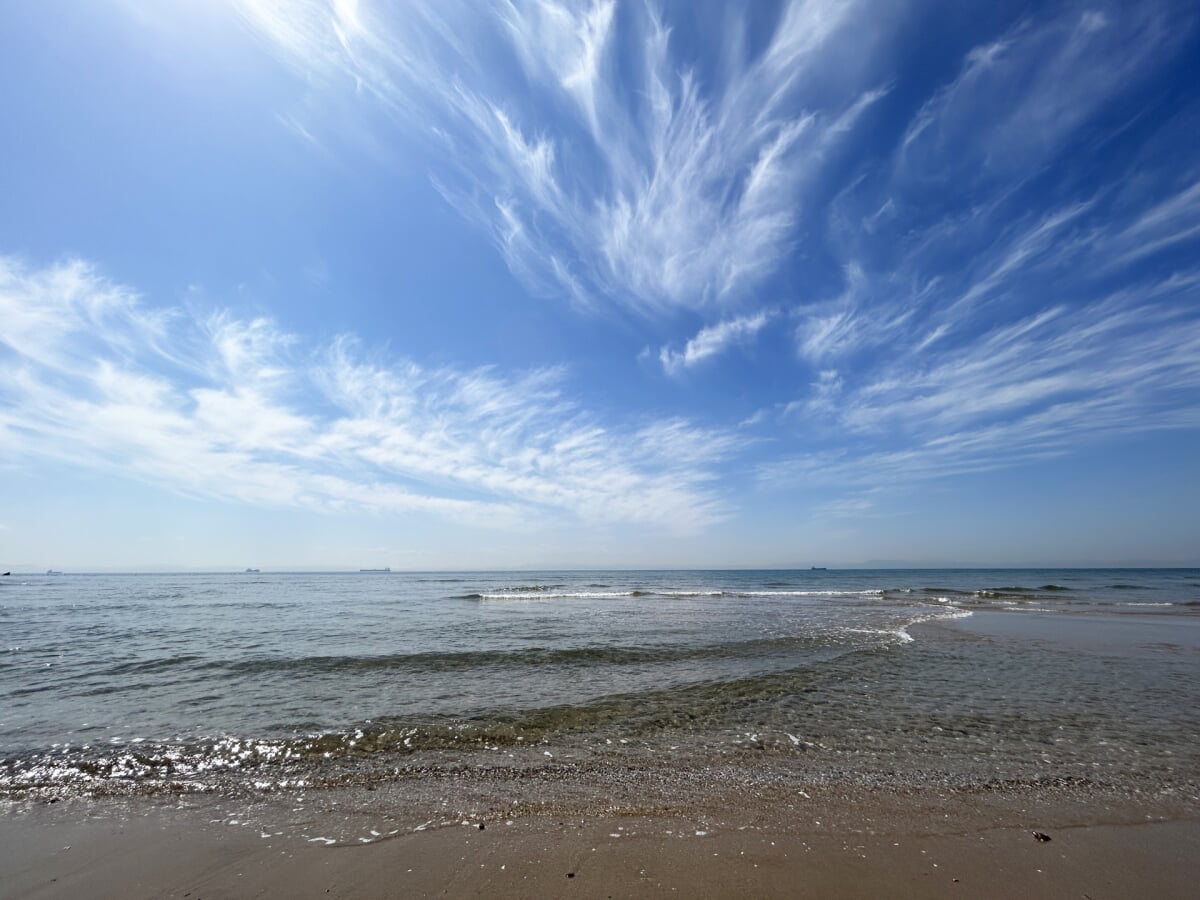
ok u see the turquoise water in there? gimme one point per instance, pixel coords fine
(128, 682)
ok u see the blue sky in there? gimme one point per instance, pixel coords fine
(325, 283)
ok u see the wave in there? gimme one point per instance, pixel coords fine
(540, 594)
(511, 658)
(302, 754)
(872, 593)
(521, 661)
(142, 666)
(230, 764)
(546, 595)
(1006, 595)
(952, 613)
(520, 658)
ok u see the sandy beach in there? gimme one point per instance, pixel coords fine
(846, 844)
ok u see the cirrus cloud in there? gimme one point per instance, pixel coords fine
(223, 407)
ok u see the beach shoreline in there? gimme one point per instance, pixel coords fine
(767, 815)
(821, 842)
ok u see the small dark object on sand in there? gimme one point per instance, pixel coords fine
(570, 874)
(481, 826)
(1040, 836)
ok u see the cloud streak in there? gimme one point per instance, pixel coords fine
(712, 341)
(240, 410)
(1019, 98)
(990, 315)
(641, 184)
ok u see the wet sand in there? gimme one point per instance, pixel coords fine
(853, 845)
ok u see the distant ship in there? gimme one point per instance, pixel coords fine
(53, 572)
(819, 569)
(375, 571)
(253, 571)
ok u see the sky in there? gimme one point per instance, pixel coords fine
(501, 284)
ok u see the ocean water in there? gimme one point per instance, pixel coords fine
(125, 684)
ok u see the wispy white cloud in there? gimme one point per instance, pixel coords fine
(1034, 387)
(855, 506)
(1128, 352)
(996, 302)
(294, 125)
(1018, 98)
(639, 184)
(222, 407)
(987, 319)
(824, 399)
(1172, 221)
(712, 341)
(564, 44)
(859, 318)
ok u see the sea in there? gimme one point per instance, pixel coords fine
(127, 684)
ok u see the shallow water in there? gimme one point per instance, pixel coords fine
(117, 683)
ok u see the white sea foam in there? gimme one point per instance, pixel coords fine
(806, 593)
(904, 636)
(939, 616)
(613, 595)
(568, 595)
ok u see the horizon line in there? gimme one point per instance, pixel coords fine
(861, 567)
